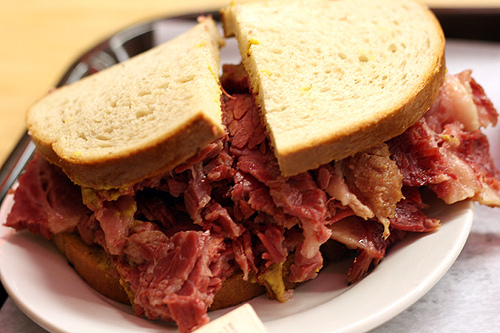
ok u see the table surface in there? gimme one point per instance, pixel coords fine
(41, 38)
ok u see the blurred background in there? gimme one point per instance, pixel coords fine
(41, 38)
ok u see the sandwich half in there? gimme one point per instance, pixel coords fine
(179, 191)
(130, 122)
(332, 77)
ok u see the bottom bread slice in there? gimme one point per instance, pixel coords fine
(95, 267)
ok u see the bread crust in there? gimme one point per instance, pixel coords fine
(367, 135)
(93, 265)
(126, 170)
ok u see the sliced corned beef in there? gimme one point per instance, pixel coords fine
(445, 150)
(46, 201)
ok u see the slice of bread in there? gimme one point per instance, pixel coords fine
(98, 271)
(92, 264)
(336, 77)
(138, 118)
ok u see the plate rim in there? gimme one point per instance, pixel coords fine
(462, 211)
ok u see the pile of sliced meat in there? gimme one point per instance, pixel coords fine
(175, 238)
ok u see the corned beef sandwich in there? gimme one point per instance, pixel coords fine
(177, 191)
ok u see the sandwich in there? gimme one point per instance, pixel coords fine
(179, 190)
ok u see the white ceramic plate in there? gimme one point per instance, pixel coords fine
(47, 289)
